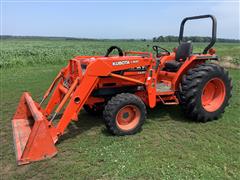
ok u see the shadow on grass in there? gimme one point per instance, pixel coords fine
(87, 121)
(160, 112)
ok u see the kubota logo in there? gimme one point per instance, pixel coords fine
(120, 63)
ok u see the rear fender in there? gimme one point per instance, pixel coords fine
(188, 64)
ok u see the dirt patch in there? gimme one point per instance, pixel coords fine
(226, 61)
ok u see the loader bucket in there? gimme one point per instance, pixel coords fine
(31, 133)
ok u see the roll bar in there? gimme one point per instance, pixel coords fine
(214, 29)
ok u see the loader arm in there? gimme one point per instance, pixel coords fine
(35, 132)
(98, 68)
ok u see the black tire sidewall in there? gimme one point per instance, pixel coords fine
(113, 107)
(141, 109)
(192, 85)
(212, 75)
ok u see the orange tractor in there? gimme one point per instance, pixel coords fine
(120, 87)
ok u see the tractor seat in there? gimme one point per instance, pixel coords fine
(184, 50)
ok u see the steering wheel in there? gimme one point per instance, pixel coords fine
(120, 52)
(156, 48)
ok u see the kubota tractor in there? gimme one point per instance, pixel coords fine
(120, 87)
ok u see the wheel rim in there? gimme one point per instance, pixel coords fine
(128, 117)
(213, 94)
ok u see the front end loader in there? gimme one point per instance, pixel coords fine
(119, 87)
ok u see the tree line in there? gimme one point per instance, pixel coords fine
(154, 39)
(191, 38)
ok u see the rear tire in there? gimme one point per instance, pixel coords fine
(205, 91)
(124, 114)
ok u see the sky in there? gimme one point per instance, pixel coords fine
(117, 19)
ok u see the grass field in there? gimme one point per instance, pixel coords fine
(169, 147)
(25, 52)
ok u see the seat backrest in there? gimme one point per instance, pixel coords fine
(184, 50)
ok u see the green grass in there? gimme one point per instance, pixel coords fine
(32, 52)
(169, 147)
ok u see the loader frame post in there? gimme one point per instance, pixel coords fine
(65, 98)
(76, 102)
(51, 87)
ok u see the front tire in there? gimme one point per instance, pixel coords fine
(205, 92)
(124, 114)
